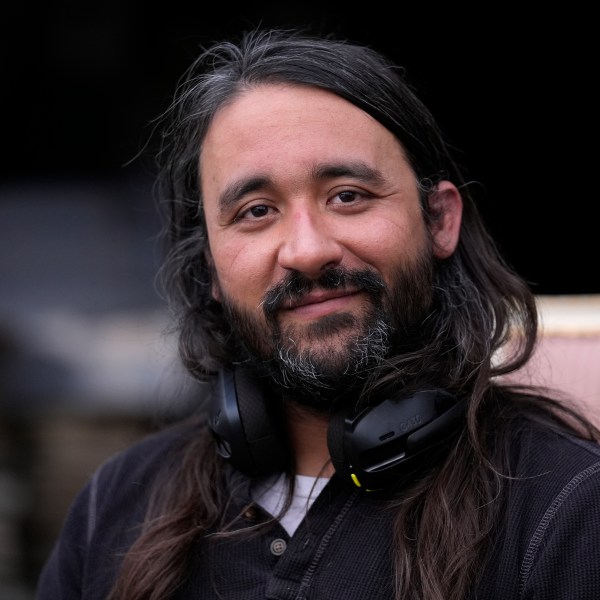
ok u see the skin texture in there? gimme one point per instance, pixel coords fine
(296, 179)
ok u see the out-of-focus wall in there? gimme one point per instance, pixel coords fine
(87, 365)
(568, 356)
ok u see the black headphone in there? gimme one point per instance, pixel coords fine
(371, 448)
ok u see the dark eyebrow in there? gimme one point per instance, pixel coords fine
(357, 170)
(238, 189)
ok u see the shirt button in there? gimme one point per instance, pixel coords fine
(278, 547)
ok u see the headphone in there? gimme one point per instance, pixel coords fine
(371, 448)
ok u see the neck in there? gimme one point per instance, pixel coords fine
(307, 430)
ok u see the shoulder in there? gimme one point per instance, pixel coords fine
(140, 463)
(550, 470)
(116, 498)
(551, 455)
(548, 540)
(104, 518)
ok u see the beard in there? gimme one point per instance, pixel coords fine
(318, 363)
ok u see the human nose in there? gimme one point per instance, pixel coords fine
(309, 245)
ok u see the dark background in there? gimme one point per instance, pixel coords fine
(513, 90)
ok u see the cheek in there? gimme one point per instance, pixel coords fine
(240, 272)
(396, 241)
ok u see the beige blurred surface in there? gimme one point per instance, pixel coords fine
(568, 356)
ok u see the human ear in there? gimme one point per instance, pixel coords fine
(445, 209)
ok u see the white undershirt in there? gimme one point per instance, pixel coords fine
(270, 494)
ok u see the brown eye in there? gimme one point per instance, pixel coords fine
(347, 196)
(259, 211)
(255, 214)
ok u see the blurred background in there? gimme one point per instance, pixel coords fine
(86, 361)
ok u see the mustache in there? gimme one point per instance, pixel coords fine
(295, 285)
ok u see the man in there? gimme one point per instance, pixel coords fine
(337, 290)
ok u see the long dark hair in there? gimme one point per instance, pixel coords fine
(484, 325)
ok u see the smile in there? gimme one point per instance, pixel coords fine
(322, 302)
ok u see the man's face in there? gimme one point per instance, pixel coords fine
(316, 234)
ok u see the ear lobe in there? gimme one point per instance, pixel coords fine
(445, 209)
(215, 292)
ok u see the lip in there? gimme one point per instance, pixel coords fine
(319, 297)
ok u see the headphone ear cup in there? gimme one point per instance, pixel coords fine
(246, 425)
(379, 445)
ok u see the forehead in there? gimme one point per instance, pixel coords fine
(270, 124)
(286, 100)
